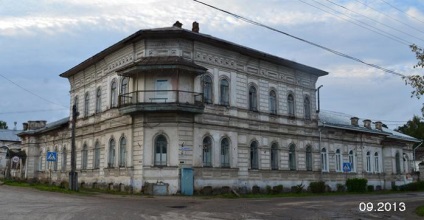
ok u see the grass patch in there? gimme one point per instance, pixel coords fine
(420, 210)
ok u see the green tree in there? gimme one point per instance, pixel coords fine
(413, 128)
(3, 125)
(416, 81)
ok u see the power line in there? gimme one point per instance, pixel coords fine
(412, 27)
(306, 41)
(402, 11)
(378, 22)
(32, 93)
(379, 31)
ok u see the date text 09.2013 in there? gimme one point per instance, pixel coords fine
(382, 206)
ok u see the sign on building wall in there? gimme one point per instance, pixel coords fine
(51, 156)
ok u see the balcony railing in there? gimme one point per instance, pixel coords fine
(154, 100)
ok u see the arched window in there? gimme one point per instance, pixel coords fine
(84, 157)
(124, 90)
(309, 158)
(352, 161)
(292, 157)
(338, 161)
(376, 163)
(40, 162)
(397, 158)
(225, 92)
(405, 163)
(368, 161)
(225, 153)
(111, 159)
(274, 156)
(253, 96)
(290, 103)
(324, 162)
(86, 104)
(98, 100)
(113, 94)
(97, 155)
(272, 102)
(47, 166)
(207, 152)
(254, 163)
(64, 159)
(76, 101)
(307, 108)
(160, 151)
(123, 152)
(55, 162)
(207, 89)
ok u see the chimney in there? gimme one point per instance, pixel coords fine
(14, 128)
(177, 24)
(367, 123)
(34, 125)
(25, 126)
(379, 125)
(354, 121)
(195, 27)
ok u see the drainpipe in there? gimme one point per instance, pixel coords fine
(319, 87)
(415, 166)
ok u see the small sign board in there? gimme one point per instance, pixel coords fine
(15, 159)
(185, 148)
(347, 167)
(51, 156)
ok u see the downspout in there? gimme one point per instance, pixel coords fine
(415, 166)
(319, 87)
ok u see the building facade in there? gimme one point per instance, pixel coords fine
(167, 99)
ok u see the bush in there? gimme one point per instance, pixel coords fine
(370, 188)
(415, 186)
(277, 189)
(298, 188)
(356, 185)
(341, 187)
(256, 189)
(317, 187)
(268, 189)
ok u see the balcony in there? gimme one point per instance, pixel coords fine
(161, 100)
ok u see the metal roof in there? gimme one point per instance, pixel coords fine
(175, 32)
(342, 121)
(9, 135)
(49, 127)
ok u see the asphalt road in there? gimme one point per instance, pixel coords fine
(27, 203)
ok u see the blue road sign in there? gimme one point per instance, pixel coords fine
(347, 167)
(51, 156)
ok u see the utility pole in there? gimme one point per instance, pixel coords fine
(73, 175)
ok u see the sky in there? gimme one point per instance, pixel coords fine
(40, 39)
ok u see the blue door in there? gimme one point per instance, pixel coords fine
(187, 181)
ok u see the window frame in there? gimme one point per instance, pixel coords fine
(111, 153)
(273, 102)
(309, 159)
(207, 152)
(324, 160)
(376, 162)
(113, 93)
(307, 107)
(98, 100)
(96, 156)
(352, 160)
(122, 152)
(162, 154)
(207, 89)
(224, 92)
(254, 156)
(338, 161)
(84, 157)
(64, 159)
(368, 162)
(292, 157)
(253, 98)
(86, 104)
(290, 105)
(225, 153)
(274, 156)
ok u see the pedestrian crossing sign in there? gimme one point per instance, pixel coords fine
(51, 156)
(347, 167)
